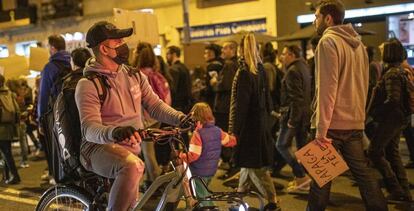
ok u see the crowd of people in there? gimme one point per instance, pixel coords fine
(250, 103)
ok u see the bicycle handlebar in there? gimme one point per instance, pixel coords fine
(158, 134)
(154, 134)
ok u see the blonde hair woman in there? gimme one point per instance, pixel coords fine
(249, 109)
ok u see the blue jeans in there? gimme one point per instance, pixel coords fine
(349, 144)
(284, 144)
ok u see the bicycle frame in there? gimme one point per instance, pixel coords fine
(174, 189)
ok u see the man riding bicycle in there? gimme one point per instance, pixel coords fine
(109, 122)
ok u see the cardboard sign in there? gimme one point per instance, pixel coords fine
(323, 163)
(14, 66)
(145, 26)
(39, 57)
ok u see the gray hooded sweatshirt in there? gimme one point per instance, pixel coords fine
(341, 81)
(122, 106)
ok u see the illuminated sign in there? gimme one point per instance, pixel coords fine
(225, 29)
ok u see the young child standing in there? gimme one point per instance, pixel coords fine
(205, 147)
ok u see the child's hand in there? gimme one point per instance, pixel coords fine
(198, 125)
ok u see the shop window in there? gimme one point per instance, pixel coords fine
(23, 48)
(4, 51)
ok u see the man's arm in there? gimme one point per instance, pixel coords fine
(89, 106)
(195, 149)
(46, 83)
(327, 71)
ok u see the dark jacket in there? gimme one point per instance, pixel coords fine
(49, 74)
(296, 92)
(388, 100)
(275, 76)
(181, 88)
(214, 65)
(224, 86)
(8, 131)
(249, 112)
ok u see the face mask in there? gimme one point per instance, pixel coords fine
(122, 54)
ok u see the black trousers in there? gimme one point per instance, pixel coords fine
(349, 144)
(10, 165)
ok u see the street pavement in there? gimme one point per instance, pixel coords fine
(344, 197)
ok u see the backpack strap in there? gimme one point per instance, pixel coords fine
(101, 81)
(101, 84)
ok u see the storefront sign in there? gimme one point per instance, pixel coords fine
(323, 163)
(225, 29)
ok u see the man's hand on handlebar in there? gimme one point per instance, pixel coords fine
(126, 136)
(187, 121)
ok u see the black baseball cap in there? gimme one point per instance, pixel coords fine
(104, 30)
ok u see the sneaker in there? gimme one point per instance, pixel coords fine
(299, 184)
(14, 180)
(395, 198)
(24, 164)
(272, 207)
(52, 181)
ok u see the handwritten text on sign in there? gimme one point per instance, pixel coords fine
(323, 163)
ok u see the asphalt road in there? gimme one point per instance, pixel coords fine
(344, 197)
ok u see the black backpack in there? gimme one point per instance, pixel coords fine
(67, 135)
(47, 119)
(379, 96)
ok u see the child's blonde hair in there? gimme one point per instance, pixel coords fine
(202, 112)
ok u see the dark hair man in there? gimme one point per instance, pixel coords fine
(111, 142)
(215, 63)
(222, 85)
(181, 87)
(295, 104)
(57, 67)
(58, 57)
(339, 103)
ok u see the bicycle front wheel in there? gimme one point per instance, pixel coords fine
(65, 198)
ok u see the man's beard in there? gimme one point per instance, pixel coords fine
(322, 27)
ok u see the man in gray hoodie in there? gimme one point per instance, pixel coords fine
(339, 103)
(109, 126)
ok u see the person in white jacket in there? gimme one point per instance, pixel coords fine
(339, 103)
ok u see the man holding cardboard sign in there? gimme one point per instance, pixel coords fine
(339, 103)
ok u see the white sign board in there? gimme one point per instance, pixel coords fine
(145, 26)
